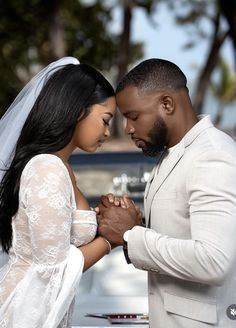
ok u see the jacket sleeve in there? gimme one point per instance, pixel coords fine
(211, 252)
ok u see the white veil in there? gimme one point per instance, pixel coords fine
(13, 120)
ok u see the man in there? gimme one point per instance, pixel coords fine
(188, 245)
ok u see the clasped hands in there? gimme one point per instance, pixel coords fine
(116, 215)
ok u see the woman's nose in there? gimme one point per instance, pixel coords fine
(107, 132)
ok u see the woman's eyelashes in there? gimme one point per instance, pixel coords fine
(106, 122)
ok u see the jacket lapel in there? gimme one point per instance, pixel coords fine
(159, 179)
(149, 182)
(155, 182)
(148, 185)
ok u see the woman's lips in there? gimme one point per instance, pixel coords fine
(100, 142)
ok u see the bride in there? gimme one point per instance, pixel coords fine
(46, 225)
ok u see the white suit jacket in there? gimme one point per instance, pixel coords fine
(190, 249)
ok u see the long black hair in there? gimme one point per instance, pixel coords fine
(65, 98)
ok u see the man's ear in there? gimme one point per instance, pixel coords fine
(168, 104)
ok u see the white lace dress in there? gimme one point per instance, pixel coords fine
(38, 284)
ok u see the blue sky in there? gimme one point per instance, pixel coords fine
(166, 40)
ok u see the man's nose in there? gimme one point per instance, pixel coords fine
(129, 129)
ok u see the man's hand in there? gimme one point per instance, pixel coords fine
(123, 202)
(114, 220)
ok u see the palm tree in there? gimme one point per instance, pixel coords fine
(224, 89)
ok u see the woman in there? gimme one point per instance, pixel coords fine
(44, 217)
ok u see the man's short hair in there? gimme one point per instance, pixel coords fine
(154, 74)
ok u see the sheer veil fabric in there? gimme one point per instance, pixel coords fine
(38, 284)
(13, 120)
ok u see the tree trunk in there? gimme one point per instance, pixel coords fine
(57, 48)
(212, 60)
(219, 114)
(228, 9)
(123, 59)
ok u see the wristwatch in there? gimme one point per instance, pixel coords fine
(125, 246)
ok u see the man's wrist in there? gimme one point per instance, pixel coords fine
(125, 245)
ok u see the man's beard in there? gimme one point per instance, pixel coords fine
(158, 138)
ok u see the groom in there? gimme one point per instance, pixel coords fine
(188, 245)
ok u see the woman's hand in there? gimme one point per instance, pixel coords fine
(123, 202)
(114, 220)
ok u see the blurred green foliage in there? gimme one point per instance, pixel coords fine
(24, 39)
(224, 86)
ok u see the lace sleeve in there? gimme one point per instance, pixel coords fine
(84, 227)
(45, 294)
(47, 202)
